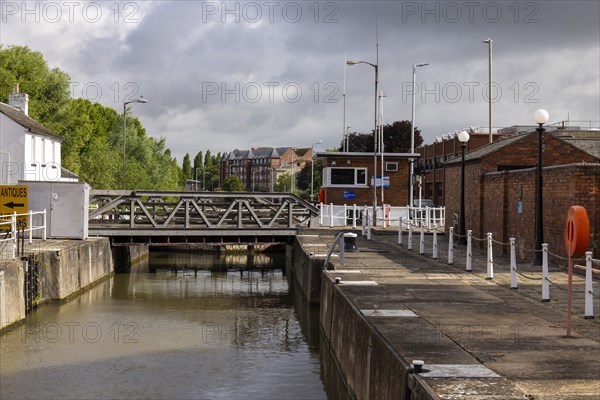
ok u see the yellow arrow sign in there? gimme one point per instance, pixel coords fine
(13, 199)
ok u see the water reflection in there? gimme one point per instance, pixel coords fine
(185, 329)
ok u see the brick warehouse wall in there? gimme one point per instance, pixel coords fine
(563, 186)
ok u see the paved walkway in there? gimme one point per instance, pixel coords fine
(478, 338)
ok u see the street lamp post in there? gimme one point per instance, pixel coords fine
(541, 117)
(140, 100)
(312, 168)
(376, 66)
(412, 132)
(463, 138)
(489, 42)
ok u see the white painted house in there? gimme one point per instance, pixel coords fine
(28, 150)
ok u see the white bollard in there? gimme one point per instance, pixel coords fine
(422, 241)
(354, 216)
(469, 251)
(369, 226)
(30, 226)
(451, 246)
(409, 235)
(435, 245)
(400, 231)
(513, 264)
(589, 289)
(331, 215)
(490, 258)
(545, 283)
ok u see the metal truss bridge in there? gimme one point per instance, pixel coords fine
(164, 218)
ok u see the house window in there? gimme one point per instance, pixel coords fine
(334, 176)
(391, 166)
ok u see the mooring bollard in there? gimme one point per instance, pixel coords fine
(513, 264)
(422, 241)
(400, 231)
(490, 258)
(451, 246)
(545, 282)
(409, 235)
(469, 251)
(435, 245)
(589, 289)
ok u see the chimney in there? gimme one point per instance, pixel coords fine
(19, 100)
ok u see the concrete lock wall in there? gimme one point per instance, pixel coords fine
(12, 297)
(66, 271)
(307, 272)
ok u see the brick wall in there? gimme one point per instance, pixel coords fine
(492, 198)
(396, 194)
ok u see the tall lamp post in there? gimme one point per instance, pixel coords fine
(376, 66)
(489, 42)
(412, 132)
(541, 117)
(463, 138)
(312, 168)
(140, 100)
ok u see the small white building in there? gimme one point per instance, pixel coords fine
(28, 150)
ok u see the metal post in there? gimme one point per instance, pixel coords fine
(345, 214)
(545, 283)
(354, 216)
(451, 247)
(321, 214)
(369, 226)
(124, 139)
(30, 227)
(331, 215)
(13, 227)
(469, 251)
(422, 241)
(400, 231)
(513, 264)
(409, 235)
(44, 221)
(435, 244)
(490, 257)
(363, 221)
(539, 222)
(589, 289)
(461, 224)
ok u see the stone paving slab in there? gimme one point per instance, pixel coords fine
(462, 319)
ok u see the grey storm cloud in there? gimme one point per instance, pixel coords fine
(275, 77)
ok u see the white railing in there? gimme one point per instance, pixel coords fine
(12, 222)
(332, 215)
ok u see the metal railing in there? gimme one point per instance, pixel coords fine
(332, 215)
(16, 223)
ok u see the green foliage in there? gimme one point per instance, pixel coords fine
(304, 180)
(93, 145)
(233, 184)
(396, 139)
(187, 168)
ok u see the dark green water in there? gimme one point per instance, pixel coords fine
(188, 326)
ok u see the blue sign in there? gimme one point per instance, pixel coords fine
(349, 195)
(386, 182)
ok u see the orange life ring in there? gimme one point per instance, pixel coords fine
(577, 231)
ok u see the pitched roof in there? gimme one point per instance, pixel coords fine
(26, 121)
(489, 148)
(588, 145)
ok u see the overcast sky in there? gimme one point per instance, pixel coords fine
(221, 76)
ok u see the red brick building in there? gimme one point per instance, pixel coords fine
(500, 186)
(348, 178)
(259, 168)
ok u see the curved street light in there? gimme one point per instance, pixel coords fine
(412, 134)
(376, 66)
(140, 100)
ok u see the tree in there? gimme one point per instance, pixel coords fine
(304, 179)
(396, 139)
(284, 183)
(233, 184)
(186, 167)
